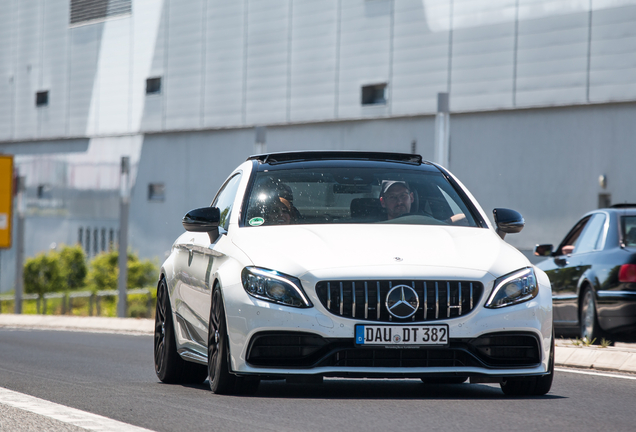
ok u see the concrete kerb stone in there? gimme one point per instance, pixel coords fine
(611, 359)
(562, 354)
(629, 365)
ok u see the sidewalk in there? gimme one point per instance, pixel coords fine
(619, 358)
(76, 323)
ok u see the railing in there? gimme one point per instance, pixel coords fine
(72, 300)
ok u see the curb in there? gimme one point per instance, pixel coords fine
(620, 358)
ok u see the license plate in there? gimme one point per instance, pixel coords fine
(401, 335)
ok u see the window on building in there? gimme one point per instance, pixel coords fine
(44, 191)
(153, 85)
(156, 192)
(42, 98)
(375, 94)
(85, 11)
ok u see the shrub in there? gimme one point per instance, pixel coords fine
(73, 266)
(104, 271)
(43, 274)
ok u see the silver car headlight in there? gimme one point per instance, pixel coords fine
(274, 287)
(514, 288)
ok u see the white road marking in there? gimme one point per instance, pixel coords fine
(64, 414)
(595, 373)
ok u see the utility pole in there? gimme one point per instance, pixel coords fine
(124, 203)
(19, 258)
(442, 130)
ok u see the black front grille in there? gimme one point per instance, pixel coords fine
(365, 300)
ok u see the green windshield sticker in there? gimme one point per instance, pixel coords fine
(257, 221)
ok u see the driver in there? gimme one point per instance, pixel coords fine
(396, 198)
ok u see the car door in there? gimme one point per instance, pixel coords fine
(557, 271)
(574, 265)
(201, 258)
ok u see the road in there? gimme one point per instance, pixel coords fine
(112, 375)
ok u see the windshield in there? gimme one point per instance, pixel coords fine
(338, 195)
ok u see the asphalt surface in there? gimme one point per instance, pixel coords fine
(112, 375)
(619, 358)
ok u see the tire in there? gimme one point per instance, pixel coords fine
(588, 320)
(531, 386)
(219, 376)
(446, 380)
(169, 366)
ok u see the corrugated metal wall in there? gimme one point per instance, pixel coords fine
(250, 62)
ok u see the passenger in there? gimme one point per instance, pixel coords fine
(280, 211)
(276, 204)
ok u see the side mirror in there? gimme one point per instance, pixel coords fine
(205, 219)
(543, 250)
(508, 221)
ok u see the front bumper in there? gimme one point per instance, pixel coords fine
(250, 319)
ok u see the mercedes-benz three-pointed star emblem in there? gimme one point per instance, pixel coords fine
(402, 301)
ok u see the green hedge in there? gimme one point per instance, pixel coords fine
(67, 270)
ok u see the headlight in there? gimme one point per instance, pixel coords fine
(514, 288)
(274, 287)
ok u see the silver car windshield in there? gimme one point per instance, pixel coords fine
(354, 196)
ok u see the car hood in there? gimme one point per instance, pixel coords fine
(299, 249)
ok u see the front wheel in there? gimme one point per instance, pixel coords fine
(221, 380)
(531, 386)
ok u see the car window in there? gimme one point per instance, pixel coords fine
(225, 198)
(591, 235)
(629, 230)
(569, 243)
(336, 195)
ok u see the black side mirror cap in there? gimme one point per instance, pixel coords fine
(508, 221)
(204, 219)
(543, 250)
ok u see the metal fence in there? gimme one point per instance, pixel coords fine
(69, 301)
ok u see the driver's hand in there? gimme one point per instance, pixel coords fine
(458, 219)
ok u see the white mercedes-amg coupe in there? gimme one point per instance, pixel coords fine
(350, 264)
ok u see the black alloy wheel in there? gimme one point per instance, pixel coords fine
(588, 319)
(169, 366)
(221, 380)
(531, 386)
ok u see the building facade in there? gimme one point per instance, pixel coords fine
(542, 101)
